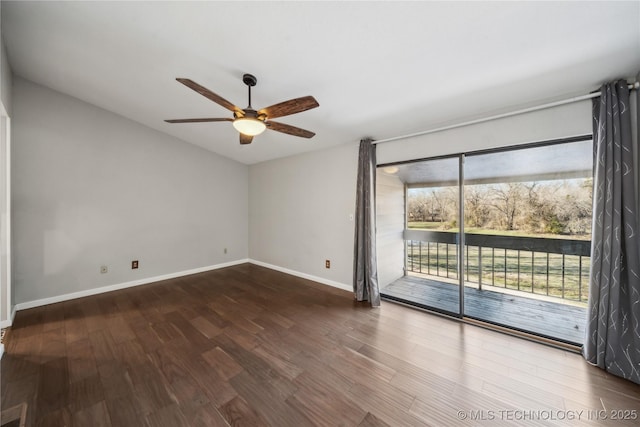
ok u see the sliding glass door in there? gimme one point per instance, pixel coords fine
(522, 260)
(527, 224)
(431, 236)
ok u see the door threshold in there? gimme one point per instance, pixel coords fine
(525, 335)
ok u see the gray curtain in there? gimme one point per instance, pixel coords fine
(612, 339)
(365, 267)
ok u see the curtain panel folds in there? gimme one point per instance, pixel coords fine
(612, 339)
(365, 267)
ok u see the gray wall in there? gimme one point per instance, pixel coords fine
(6, 78)
(299, 211)
(390, 221)
(92, 188)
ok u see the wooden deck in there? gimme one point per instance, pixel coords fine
(549, 319)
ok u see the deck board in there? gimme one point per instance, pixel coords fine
(549, 319)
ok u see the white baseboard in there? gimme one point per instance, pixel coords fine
(1, 350)
(303, 275)
(96, 291)
(118, 286)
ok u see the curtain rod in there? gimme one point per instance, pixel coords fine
(632, 86)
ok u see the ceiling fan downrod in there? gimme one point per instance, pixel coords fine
(250, 80)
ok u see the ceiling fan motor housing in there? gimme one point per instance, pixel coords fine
(249, 79)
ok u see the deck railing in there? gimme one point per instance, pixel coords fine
(553, 267)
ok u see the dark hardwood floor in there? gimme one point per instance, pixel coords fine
(248, 346)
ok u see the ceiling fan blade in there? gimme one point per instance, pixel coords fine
(209, 94)
(291, 106)
(199, 120)
(245, 139)
(291, 130)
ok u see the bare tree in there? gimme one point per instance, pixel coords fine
(477, 209)
(539, 211)
(574, 206)
(506, 199)
(416, 207)
(446, 204)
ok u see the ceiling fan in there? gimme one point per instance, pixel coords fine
(248, 121)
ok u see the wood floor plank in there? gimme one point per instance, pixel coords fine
(205, 416)
(388, 403)
(278, 361)
(96, 416)
(371, 420)
(122, 412)
(186, 390)
(74, 322)
(269, 402)
(222, 363)
(246, 345)
(215, 388)
(58, 418)
(85, 392)
(151, 390)
(115, 379)
(237, 412)
(323, 405)
(53, 317)
(81, 360)
(205, 327)
(169, 416)
(120, 330)
(191, 334)
(52, 345)
(166, 331)
(147, 338)
(102, 345)
(130, 353)
(53, 385)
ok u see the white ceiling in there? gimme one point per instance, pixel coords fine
(378, 69)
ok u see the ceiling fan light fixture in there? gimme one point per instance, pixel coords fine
(249, 126)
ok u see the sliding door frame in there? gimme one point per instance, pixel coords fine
(461, 237)
(461, 258)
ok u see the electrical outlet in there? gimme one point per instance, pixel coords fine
(327, 264)
(134, 264)
(103, 269)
